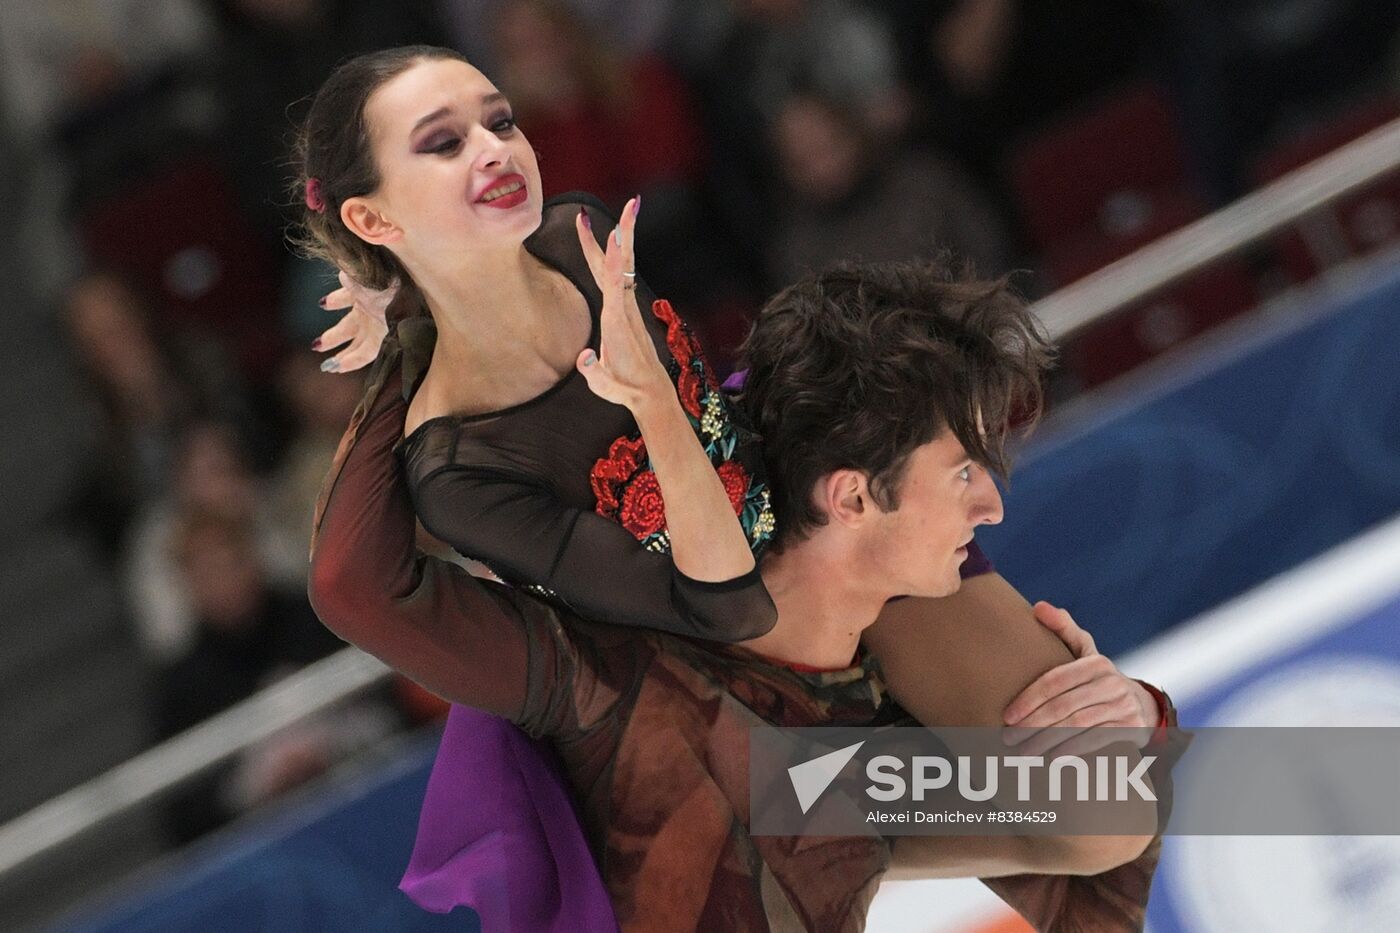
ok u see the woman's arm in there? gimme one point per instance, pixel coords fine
(520, 528)
(707, 541)
(457, 636)
(962, 660)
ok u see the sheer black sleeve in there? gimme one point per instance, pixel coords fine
(516, 489)
(519, 528)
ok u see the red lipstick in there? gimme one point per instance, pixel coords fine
(502, 202)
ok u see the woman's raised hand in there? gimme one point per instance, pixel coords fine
(626, 369)
(361, 331)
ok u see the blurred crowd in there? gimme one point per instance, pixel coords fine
(150, 194)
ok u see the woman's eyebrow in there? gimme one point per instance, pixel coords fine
(440, 112)
(486, 100)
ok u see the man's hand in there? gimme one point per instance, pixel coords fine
(1078, 697)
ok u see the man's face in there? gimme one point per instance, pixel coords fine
(918, 548)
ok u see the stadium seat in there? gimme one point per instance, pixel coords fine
(1103, 169)
(1354, 226)
(179, 234)
(1138, 333)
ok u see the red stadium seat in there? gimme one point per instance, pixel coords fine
(1099, 185)
(1353, 226)
(1103, 169)
(1136, 334)
(179, 234)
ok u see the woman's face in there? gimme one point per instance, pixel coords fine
(455, 172)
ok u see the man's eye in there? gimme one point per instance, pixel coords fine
(965, 474)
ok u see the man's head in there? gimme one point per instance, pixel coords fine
(884, 394)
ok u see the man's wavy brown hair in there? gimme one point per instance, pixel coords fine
(857, 366)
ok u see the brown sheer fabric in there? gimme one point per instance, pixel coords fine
(653, 729)
(499, 650)
(1115, 900)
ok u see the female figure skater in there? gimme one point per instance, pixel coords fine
(548, 462)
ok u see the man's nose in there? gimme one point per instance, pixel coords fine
(989, 508)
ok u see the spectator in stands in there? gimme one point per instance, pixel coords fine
(985, 72)
(247, 634)
(320, 409)
(149, 383)
(851, 197)
(1250, 72)
(211, 475)
(751, 64)
(633, 27)
(579, 96)
(271, 55)
(56, 58)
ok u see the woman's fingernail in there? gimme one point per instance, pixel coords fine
(316, 344)
(617, 235)
(583, 215)
(322, 302)
(590, 358)
(636, 205)
(330, 365)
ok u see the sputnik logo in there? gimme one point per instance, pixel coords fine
(811, 778)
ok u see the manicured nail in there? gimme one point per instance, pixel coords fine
(590, 358)
(330, 365)
(583, 215)
(322, 302)
(316, 344)
(617, 235)
(636, 205)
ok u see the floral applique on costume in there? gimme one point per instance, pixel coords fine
(623, 482)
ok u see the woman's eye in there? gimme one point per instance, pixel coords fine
(447, 145)
(503, 125)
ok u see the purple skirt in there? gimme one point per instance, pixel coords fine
(499, 834)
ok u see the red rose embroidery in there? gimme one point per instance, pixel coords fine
(609, 474)
(736, 483)
(688, 387)
(643, 513)
(678, 339)
(662, 309)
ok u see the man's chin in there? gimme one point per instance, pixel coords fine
(947, 588)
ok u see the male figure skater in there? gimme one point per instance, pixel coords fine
(901, 387)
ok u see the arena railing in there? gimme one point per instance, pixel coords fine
(160, 770)
(1182, 252)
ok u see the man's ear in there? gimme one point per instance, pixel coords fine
(844, 496)
(368, 223)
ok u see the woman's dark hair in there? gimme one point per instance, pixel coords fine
(856, 367)
(333, 147)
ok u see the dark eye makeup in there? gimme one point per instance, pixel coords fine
(503, 124)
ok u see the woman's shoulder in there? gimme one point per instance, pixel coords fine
(458, 445)
(577, 198)
(556, 240)
(560, 210)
